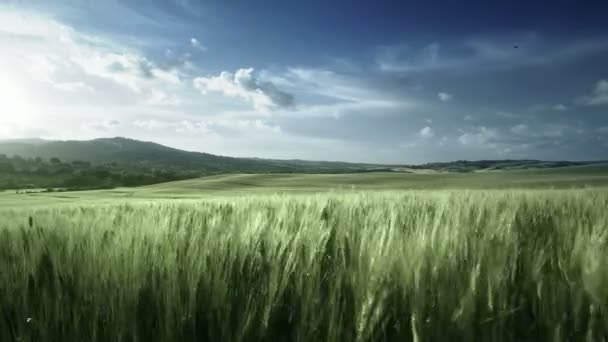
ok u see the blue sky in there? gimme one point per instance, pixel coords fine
(385, 81)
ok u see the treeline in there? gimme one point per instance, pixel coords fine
(474, 165)
(17, 172)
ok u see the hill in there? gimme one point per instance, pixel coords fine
(500, 165)
(149, 154)
(131, 152)
(112, 162)
(115, 162)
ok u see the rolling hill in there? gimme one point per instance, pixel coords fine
(117, 162)
(126, 151)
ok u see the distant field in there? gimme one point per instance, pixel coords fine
(502, 256)
(590, 176)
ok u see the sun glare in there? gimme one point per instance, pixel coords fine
(18, 105)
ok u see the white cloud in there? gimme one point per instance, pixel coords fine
(336, 86)
(195, 43)
(150, 124)
(403, 58)
(543, 108)
(215, 126)
(24, 25)
(560, 107)
(599, 96)
(66, 84)
(104, 126)
(159, 97)
(483, 53)
(444, 97)
(190, 127)
(323, 93)
(73, 86)
(124, 68)
(468, 118)
(258, 125)
(520, 129)
(70, 82)
(244, 84)
(426, 132)
(67, 60)
(45, 69)
(340, 109)
(480, 136)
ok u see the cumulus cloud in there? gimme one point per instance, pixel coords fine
(244, 84)
(444, 97)
(426, 132)
(68, 60)
(69, 81)
(480, 136)
(125, 68)
(599, 96)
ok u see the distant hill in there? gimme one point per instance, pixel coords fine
(140, 154)
(123, 151)
(500, 165)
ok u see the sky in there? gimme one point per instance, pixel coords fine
(360, 81)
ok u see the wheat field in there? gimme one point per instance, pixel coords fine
(443, 265)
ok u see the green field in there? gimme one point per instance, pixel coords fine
(513, 256)
(590, 176)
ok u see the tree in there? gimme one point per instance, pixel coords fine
(81, 164)
(55, 161)
(6, 167)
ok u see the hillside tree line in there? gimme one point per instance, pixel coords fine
(17, 172)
